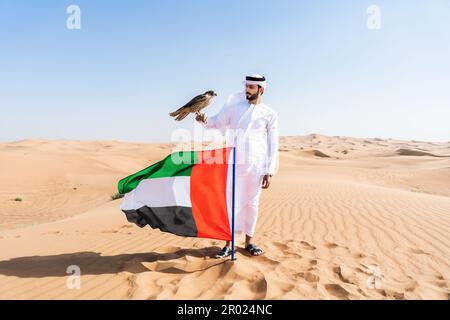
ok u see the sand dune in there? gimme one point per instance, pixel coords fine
(410, 152)
(366, 222)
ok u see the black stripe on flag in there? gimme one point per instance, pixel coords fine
(174, 219)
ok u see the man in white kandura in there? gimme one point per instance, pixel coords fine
(255, 131)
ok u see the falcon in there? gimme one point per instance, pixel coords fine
(194, 106)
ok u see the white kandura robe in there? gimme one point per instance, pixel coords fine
(254, 131)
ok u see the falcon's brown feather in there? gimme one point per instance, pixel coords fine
(194, 106)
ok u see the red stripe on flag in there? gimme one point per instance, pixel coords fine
(208, 194)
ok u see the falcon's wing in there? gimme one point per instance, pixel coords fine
(196, 100)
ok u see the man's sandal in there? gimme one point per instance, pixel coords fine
(254, 250)
(225, 252)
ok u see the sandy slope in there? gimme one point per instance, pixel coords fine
(339, 211)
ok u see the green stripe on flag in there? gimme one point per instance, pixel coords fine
(177, 164)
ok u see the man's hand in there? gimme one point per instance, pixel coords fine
(266, 181)
(202, 118)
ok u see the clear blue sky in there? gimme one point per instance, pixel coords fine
(132, 62)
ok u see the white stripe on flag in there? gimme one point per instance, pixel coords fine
(159, 192)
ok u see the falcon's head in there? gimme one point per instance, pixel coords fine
(211, 93)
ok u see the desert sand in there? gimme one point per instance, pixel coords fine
(344, 218)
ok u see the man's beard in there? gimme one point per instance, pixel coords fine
(253, 96)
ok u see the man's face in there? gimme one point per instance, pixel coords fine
(252, 91)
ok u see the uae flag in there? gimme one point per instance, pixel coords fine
(189, 193)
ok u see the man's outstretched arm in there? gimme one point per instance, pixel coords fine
(219, 121)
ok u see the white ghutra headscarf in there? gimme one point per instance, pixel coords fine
(256, 79)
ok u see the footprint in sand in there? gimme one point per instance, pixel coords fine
(331, 245)
(418, 251)
(440, 283)
(344, 274)
(284, 249)
(337, 291)
(393, 294)
(411, 287)
(440, 277)
(280, 245)
(53, 232)
(307, 246)
(309, 276)
(110, 231)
